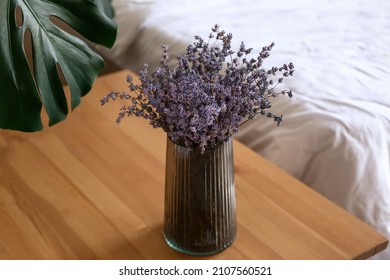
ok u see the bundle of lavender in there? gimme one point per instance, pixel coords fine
(212, 91)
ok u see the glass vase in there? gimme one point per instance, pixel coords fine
(200, 208)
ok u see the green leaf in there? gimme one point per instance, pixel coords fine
(106, 7)
(24, 90)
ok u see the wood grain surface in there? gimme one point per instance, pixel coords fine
(90, 189)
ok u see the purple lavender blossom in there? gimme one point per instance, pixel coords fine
(196, 103)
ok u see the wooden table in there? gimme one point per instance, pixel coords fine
(90, 189)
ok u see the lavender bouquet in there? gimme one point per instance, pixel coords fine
(212, 91)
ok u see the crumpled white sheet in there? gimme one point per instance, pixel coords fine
(335, 136)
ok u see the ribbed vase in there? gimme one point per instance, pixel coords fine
(200, 208)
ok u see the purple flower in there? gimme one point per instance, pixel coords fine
(196, 103)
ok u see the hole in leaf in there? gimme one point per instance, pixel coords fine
(28, 50)
(19, 17)
(65, 27)
(61, 74)
(66, 88)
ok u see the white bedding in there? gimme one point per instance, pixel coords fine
(335, 136)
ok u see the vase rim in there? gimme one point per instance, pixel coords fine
(219, 143)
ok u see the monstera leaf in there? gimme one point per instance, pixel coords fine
(25, 86)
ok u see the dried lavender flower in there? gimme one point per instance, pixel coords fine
(196, 103)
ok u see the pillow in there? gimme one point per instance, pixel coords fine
(129, 15)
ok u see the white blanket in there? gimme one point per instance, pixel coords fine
(335, 136)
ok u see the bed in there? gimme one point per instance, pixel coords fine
(335, 135)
